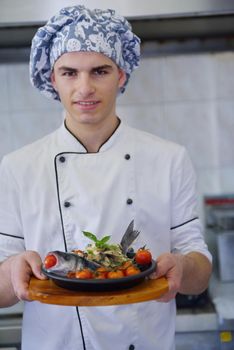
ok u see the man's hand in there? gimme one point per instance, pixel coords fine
(23, 266)
(187, 274)
(171, 267)
(16, 273)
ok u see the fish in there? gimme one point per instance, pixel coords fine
(64, 262)
(129, 237)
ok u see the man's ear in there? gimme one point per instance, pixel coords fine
(122, 78)
(52, 79)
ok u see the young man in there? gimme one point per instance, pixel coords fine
(96, 174)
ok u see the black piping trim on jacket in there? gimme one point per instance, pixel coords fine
(119, 122)
(6, 234)
(184, 223)
(64, 238)
(60, 210)
(74, 136)
(81, 328)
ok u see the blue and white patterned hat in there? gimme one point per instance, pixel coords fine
(77, 28)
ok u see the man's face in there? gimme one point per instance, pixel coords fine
(87, 84)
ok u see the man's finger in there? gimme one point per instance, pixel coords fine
(34, 261)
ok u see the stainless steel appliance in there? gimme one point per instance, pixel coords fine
(10, 327)
(151, 20)
(219, 215)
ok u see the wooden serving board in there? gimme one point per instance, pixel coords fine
(46, 291)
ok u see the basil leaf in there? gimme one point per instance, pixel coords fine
(104, 239)
(90, 236)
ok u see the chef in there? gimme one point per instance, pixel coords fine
(96, 174)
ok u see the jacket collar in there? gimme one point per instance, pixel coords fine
(73, 144)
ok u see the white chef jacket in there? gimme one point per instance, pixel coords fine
(52, 190)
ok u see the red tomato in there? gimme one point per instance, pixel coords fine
(143, 257)
(125, 265)
(132, 270)
(71, 274)
(85, 274)
(50, 260)
(115, 274)
(101, 275)
(102, 269)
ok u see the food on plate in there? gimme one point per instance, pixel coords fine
(143, 256)
(50, 261)
(84, 274)
(65, 262)
(132, 270)
(100, 259)
(115, 274)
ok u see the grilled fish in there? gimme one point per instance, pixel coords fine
(129, 237)
(63, 262)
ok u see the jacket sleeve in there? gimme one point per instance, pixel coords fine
(11, 235)
(186, 229)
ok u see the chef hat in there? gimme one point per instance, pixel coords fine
(77, 28)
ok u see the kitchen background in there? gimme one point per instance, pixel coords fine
(183, 91)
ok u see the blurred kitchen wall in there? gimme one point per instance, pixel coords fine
(186, 98)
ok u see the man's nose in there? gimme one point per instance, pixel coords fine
(85, 86)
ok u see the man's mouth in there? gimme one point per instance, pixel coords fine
(87, 103)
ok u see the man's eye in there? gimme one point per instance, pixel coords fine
(100, 72)
(69, 74)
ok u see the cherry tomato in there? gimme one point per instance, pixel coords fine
(71, 274)
(101, 275)
(125, 265)
(50, 260)
(115, 274)
(102, 269)
(143, 257)
(84, 274)
(132, 270)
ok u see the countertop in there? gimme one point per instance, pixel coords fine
(12, 310)
(217, 315)
(196, 319)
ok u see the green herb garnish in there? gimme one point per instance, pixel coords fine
(99, 243)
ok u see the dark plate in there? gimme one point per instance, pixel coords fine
(96, 285)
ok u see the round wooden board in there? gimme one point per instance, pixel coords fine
(46, 291)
